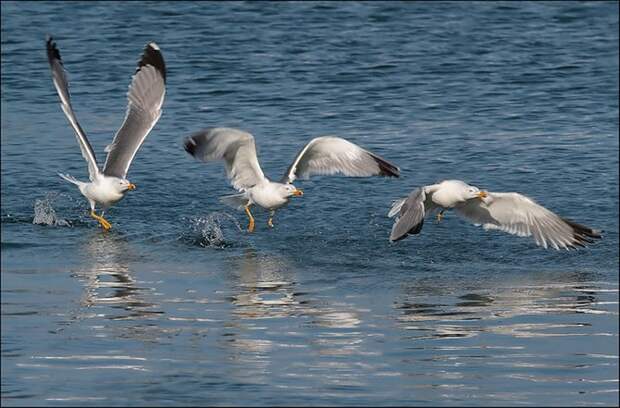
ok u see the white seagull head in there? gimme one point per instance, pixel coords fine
(457, 191)
(119, 185)
(474, 192)
(289, 190)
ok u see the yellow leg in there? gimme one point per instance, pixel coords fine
(104, 223)
(439, 216)
(270, 221)
(251, 225)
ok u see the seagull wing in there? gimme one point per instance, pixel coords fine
(331, 155)
(145, 98)
(62, 87)
(410, 212)
(519, 215)
(235, 147)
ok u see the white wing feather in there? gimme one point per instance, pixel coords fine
(145, 99)
(235, 147)
(519, 215)
(328, 155)
(61, 83)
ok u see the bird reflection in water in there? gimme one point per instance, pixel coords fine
(264, 286)
(434, 312)
(109, 286)
(270, 308)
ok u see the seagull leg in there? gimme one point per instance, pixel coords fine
(251, 225)
(440, 216)
(270, 221)
(104, 223)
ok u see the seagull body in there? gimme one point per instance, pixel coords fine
(323, 155)
(270, 195)
(102, 190)
(509, 212)
(145, 98)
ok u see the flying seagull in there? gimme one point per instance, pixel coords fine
(323, 155)
(510, 212)
(145, 98)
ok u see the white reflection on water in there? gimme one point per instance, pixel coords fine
(264, 286)
(111, 293)
(270, 319)
(438, 313)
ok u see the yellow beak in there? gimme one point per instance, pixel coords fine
(483, 194)
(131, 186)
(298, 193)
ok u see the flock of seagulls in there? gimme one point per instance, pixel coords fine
(513, 213)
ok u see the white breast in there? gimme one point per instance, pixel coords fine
(102, 194)
(267, 195)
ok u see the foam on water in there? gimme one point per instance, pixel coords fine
(208, 231)
(45, 214)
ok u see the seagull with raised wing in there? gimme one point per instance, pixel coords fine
(145, 99)
(325, 155)
(509, 212)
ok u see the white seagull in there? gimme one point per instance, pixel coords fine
(323, 155)
(510, 212)
(145, 98)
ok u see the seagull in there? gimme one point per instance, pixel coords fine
(145, 98)
(509, 212)
(324, 155)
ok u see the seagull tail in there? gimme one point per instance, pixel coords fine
(238, 201)
(70, 179)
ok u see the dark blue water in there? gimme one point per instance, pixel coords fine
(178, 305)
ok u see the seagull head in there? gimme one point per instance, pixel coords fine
(474, 192)
(290, 190)
(122, 185)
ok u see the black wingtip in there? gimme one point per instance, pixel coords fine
(582, 235)
(386, 169)
(416, 229)
(152, 56)
(52, 50)
(190, 146)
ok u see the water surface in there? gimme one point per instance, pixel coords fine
(178, 305)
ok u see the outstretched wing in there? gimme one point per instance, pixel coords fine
(331, 155)
(62, 87)
(235, 147)
(145, 96)
(519, 215)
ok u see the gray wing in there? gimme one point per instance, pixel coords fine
(235, 147)
(411, 212)
(519, 215)
(331, 155)
(145, 98)
(62, 87)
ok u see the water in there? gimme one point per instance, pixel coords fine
(178, 305)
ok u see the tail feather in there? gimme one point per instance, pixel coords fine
(237, 201)
(70, 179)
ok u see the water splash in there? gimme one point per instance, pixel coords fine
(45, 214)
(208, 231)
